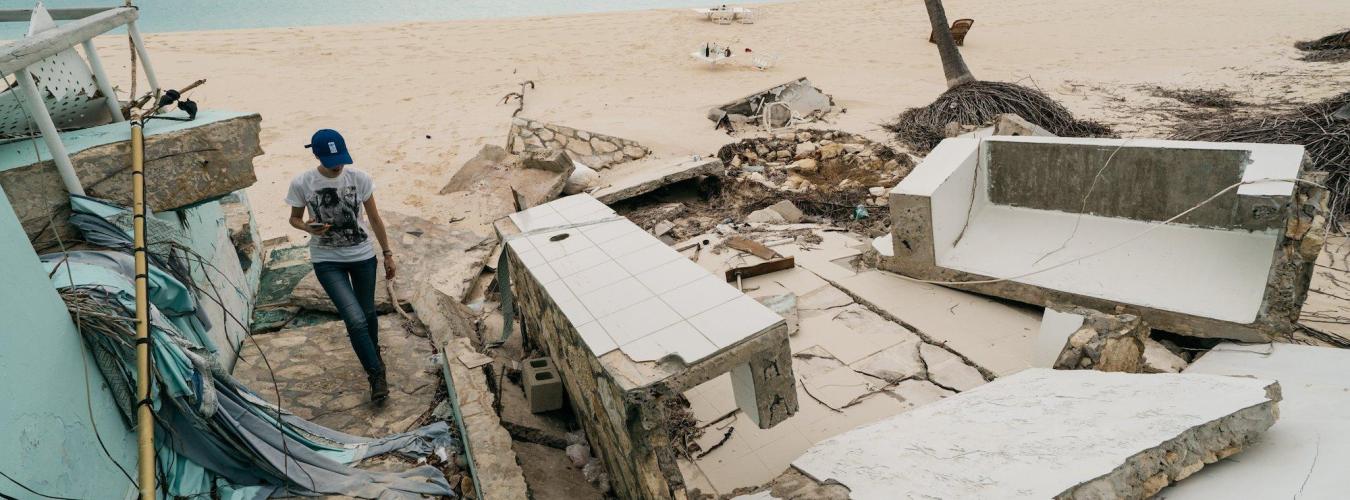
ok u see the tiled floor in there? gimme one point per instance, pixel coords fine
(623, 288)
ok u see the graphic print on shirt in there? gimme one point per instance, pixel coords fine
(343, 211)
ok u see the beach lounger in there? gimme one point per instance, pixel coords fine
(959, 29)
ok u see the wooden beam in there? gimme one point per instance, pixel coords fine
(28, 51)
(71, 14)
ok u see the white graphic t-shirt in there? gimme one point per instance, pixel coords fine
(336, 201)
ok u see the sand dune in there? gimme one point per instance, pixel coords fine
(417, 100)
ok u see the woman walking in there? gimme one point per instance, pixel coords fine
(340, 248)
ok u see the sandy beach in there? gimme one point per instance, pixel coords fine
(416, 100)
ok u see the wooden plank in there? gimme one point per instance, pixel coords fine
(775, 265)
(28, 51)
(70, 14)
(752, 247)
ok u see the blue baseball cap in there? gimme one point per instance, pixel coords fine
(329, 148)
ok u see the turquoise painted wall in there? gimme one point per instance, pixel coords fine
(46, 437)
(218, 271)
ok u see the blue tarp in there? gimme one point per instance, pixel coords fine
(214, 435)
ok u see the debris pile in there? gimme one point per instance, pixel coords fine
(1331, 48)
(978, 103)
(817, 160)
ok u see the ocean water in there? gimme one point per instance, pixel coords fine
(196, 15)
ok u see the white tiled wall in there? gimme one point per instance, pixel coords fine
(624, 289)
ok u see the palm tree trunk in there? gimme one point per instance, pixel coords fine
(953, 66)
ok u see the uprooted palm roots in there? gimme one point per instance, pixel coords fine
(977, 103)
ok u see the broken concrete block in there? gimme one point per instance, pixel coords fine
(948, 370)
(1059, 434)
(662, 228)
(626, 181)
(790, 212)
(553, 160)
(1160, 359)
(766, 216)
(192, 162)
(1012, 124)
(1104, 342)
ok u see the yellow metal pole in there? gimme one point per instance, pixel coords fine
(145, 423)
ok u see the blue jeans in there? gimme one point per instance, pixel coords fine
(351, 286)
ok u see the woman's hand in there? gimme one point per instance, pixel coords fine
(313, 227)
(390, 268)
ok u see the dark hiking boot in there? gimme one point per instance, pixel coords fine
(379, 388)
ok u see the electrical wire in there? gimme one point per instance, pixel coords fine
(30, 490)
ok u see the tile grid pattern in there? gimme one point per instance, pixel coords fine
(624, 289)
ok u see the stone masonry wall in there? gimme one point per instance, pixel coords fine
(627, 434)
(592, 149)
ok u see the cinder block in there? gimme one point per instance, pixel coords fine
(543, 386)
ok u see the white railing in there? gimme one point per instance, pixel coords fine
(86, 23)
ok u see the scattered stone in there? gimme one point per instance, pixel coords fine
(948, 370)
(804, 165)
(1012, 124)
(1105, 342)
(1160, 359)
(766, 216)
(582, 179)
(806, 149)
(790, 212)
(553, 160)
(854, 148)
(662, 228)
(876, 191)
(829, 151)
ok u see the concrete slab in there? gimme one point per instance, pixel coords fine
(1051, 434)
(996, 336)
(627, 180)
(200, 160)
(1306, 453)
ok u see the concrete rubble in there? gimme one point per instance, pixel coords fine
(197, 161)
(1133, 435)
(621, 182)
(590, 148)
(1104, 342)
